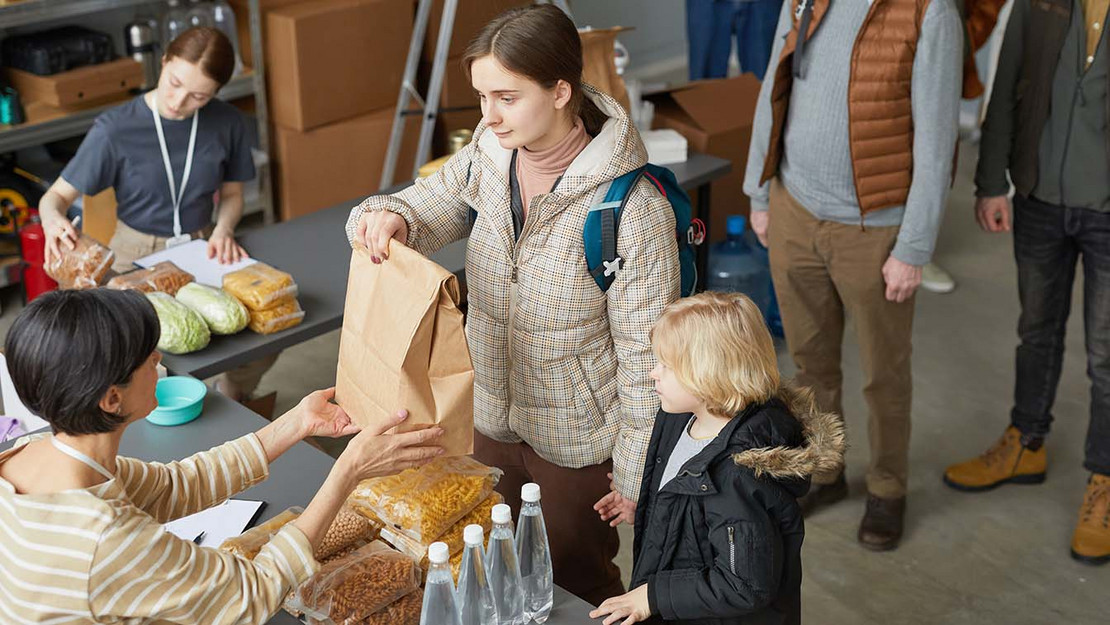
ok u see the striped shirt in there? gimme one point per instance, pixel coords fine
(101, 554)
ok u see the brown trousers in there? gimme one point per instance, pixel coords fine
(823, 270)
(130, 245)
(582, 545)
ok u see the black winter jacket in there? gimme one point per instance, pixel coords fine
(721, 543)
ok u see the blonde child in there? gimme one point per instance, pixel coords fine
(718, 528)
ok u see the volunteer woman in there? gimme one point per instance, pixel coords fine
(562, 394)
(81, 539)
(167, 153)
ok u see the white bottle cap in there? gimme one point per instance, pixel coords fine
(530, 492)
(473, 534)
(502, 513)
(438, 553)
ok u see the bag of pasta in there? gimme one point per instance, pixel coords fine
(453, 537)
(348, 528)
(281, 317)
(351, 588)
(165, 277)
(424, 502)
(250, 542)
(260, 286)
(83, 267)
(404, 611)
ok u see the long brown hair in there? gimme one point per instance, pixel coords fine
(540, 43)
(206, 48)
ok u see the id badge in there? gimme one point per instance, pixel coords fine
(178, 240)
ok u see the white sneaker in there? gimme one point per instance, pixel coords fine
(934, 278)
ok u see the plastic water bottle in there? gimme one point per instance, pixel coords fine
(735, 267)
(534, 554)
(503, 570)
(439, 590)
(774, 316)
(476, 604)
(174, 23)
(223, 18)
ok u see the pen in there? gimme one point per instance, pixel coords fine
(199, 538)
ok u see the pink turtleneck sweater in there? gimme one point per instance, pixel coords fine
(537, 171)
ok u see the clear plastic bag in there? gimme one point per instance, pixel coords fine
(260, 286)
(348, 528)
(83, 267)
(424, 502)
(165, 277)
(223, 313)
(250, 542)
(183, 330)
(281, 317)
(404, 611)
(418, 549)
(351, 588)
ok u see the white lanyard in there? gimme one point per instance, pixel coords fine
(82, 458)
(175, 196)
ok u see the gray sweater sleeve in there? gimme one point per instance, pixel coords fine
(998, 126)
(935, 88)
(761, 126)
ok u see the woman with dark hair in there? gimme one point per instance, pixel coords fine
(562, 391)
(166, 154)
(81, 536)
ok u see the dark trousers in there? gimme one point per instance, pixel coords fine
(1048, 240)
(711, 25)
(582, 545)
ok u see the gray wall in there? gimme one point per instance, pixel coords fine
(660, 27)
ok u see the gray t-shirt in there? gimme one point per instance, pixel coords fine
(121, 151)
(687, 447)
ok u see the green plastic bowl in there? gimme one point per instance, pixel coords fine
(180, 400)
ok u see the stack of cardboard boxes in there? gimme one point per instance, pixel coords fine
(333, 71)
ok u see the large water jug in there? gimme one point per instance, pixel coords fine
(773, 316)
(174, 23)
(735, 267)
(223, 18)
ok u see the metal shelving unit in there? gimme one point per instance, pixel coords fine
(31, 12)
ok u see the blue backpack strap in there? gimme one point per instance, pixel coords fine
(599, 235)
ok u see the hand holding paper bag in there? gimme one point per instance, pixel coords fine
(403, 346)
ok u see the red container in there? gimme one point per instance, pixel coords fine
(32, 240)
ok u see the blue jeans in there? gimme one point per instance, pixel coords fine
(711, 25)
(1048, 241)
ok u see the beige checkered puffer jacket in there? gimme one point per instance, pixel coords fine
(558, 363)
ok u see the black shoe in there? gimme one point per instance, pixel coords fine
(823, 495)
(881, 527)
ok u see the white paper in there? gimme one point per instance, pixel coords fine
(224, 521)
(193, 257)
(13, 407)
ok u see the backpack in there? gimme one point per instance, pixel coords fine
(599, 234)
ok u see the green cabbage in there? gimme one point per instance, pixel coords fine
(223, 313)
(183, 330)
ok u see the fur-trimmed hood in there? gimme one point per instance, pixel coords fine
(822, 452)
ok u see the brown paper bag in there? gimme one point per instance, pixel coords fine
(599, 66)
(403, 346)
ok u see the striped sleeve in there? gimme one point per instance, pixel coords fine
(648, 281)
(433, 207)
(171, 491)
(140, 571)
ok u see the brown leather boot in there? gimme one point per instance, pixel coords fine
(881, 527)
(1091, 542)
(823, 495)
(1009, 461)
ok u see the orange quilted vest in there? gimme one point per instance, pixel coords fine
(879, 107)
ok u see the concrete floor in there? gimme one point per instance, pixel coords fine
(998, 557)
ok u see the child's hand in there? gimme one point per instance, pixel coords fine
(632, 606)
(614, 508)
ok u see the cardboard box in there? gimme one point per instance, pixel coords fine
(93, 83)
(243, 23)
(716, 117)
(336, 163)
(470, 17)
(321, 65)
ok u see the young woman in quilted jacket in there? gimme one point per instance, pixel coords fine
(562, 391)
